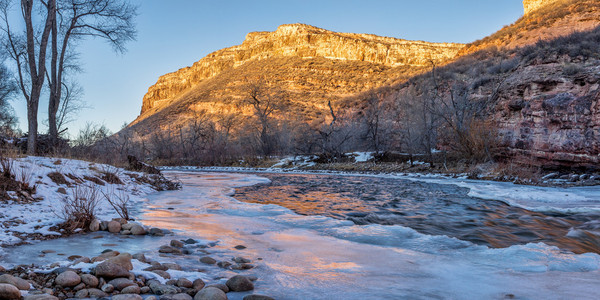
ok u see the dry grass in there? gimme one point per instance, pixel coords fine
(79, 207)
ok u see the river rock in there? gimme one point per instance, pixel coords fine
(19, 283)
(40, 297)
(95, 225)
(127, 297)
(184, 283)
(180, 296)
(176, 244)
(126, 232)
(144, 290)
(121, 221)
(161, 289)
(123, 260)
(140, 256)
(127, 226)
(121, 283)
(89, 280)
(79, 287)
(257, 297)
(104, 225)
(82, 294)
(132, 289)
(156, 232)
(169, 249)
(171, 266)
(210, 293)
(241, 260)
(239, 283)
(111, 270)
(137, 229)
(223, 264)
(67, 279)
(9, 291)
(96, 293)
(114, 226)
(2, 269)
(208, 260)
(190, 241)
(220, 286)
(198, 284)
(82, 259)
(108, 288)
(162, 274)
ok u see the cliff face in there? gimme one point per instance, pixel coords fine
(532, 5)
(300, 41)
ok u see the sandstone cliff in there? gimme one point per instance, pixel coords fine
(532, 5)
(299, 41)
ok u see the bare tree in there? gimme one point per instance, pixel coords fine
(111, 20)
(264, 103)
(28, 51)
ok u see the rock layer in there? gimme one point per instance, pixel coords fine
(304, 41)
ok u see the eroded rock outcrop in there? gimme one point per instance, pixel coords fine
(303, 41)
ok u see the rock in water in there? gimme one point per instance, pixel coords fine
(138, 230)
(210, 293)
(208, 260)
(198, 284)
(114, 227)
(257, 297)
(94, 225)
(239, 283)
(132, 289)
(123, 260)
(40, 297)
(9, 292)
(121, 283)
(68, 279)
(176, 244)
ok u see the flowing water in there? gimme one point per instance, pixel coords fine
(349, 237)
(432, 209)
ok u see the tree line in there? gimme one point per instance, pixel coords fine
(39, 42)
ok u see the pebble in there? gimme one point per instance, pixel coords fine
(241, 260)
(224, 264)
(82, 294)
(171, 266)
(210, 293)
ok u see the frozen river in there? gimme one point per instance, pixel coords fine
(381, 242)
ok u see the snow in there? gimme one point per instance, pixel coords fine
(362, 156)
(39, 216)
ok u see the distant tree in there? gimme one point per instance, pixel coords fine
(7, 116)
(28, 50)
(111, 20)
(90, 134)
(264, 102)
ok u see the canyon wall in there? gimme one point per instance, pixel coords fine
(303, 41)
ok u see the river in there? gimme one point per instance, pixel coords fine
(373, 237)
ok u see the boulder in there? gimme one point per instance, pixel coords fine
(220, 286)
(111, 270)
(127, 226)
(114, 227)
(67, 279)
(239, 283)
(19, 283)
(89, 280)
(210, 293)
(9, 291)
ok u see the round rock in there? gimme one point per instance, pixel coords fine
(67, 279)
(210, 293)
(208, 260)
(257, 297)
(132, 289)
(9, 292)
(114, 227)
(137, 230)
(239, 283)
(19, 283)
(89, 280)
(127, 297)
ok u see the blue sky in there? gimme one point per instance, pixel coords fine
(173, 34)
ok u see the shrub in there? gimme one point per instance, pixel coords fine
(119, 201)
(79, 207)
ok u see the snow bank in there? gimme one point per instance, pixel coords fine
(38, 217)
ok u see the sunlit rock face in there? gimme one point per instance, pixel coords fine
(531, 5)
(300, 41)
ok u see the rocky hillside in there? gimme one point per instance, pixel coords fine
(307, 61)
